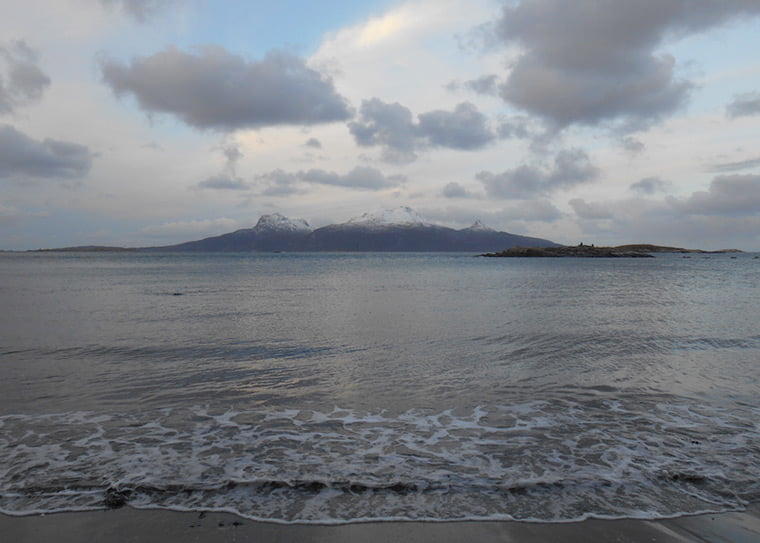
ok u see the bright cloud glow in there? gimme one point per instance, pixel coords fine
(377, 30)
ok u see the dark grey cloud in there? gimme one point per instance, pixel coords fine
(455, 190)
(649, 185)
(485, 84)
(735, 166)
(570, 168)
(728, 195)
(632, 145)
(744, 105)
(22, 82)
(215, 89)
(282, 183)
(464, 128)
(390, 126)
(393, 127)
(517, 127)
(590, 210)
(590, 62)
(232, 154)
(314, 143)
(21, 155)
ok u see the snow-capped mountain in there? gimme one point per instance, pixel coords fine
(276, 222)
(400, 216)
(400, 229)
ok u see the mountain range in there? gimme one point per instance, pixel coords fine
(400, 229)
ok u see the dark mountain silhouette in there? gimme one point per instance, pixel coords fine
(394, 230)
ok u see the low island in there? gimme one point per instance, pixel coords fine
(592, 251)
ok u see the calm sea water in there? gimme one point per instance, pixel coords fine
(345, 387)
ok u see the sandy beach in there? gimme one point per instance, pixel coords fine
(127, 524)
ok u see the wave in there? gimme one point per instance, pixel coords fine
(546, 460)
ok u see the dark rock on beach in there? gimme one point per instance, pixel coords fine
(115, 498)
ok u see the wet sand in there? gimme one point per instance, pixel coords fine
(132, 525)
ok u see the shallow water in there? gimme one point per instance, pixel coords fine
(343, 387)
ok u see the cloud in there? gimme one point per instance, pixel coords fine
(512, 218)
(649, 185)
(215, 89)
(140, 10)
(485, 84)
(590, 62)
(514, 127)
(455, 190)
(632, 145)
(393, 127)
(21, 155)
(228, 179)
(744, 105)
(361, 177)
(589, 210)
(464, 128)
(314, 143)
(22, 82)
(729, 195)
(388, 125)
(571, 167)
(233, 154)
(282, 183)
(223, 182)
(735, 166)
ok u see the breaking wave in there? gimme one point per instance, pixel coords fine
(546, 460)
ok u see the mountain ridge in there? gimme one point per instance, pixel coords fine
(395, 230)
(391, 230)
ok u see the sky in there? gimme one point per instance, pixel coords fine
(152, 122)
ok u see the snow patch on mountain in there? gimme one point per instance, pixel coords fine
(478, 226)
(276, 222)
(400, 216)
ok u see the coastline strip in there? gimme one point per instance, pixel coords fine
(128, 524)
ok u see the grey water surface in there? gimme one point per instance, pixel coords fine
(345, 387)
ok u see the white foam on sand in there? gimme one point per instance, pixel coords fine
(543, 461)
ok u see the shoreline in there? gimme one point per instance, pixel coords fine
(146, 525)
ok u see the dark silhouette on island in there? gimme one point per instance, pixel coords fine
(591, 251)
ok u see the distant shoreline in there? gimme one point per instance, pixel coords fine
(85, 249)
(591, 251)
(641, 250)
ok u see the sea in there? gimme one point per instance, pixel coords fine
(339, 388)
